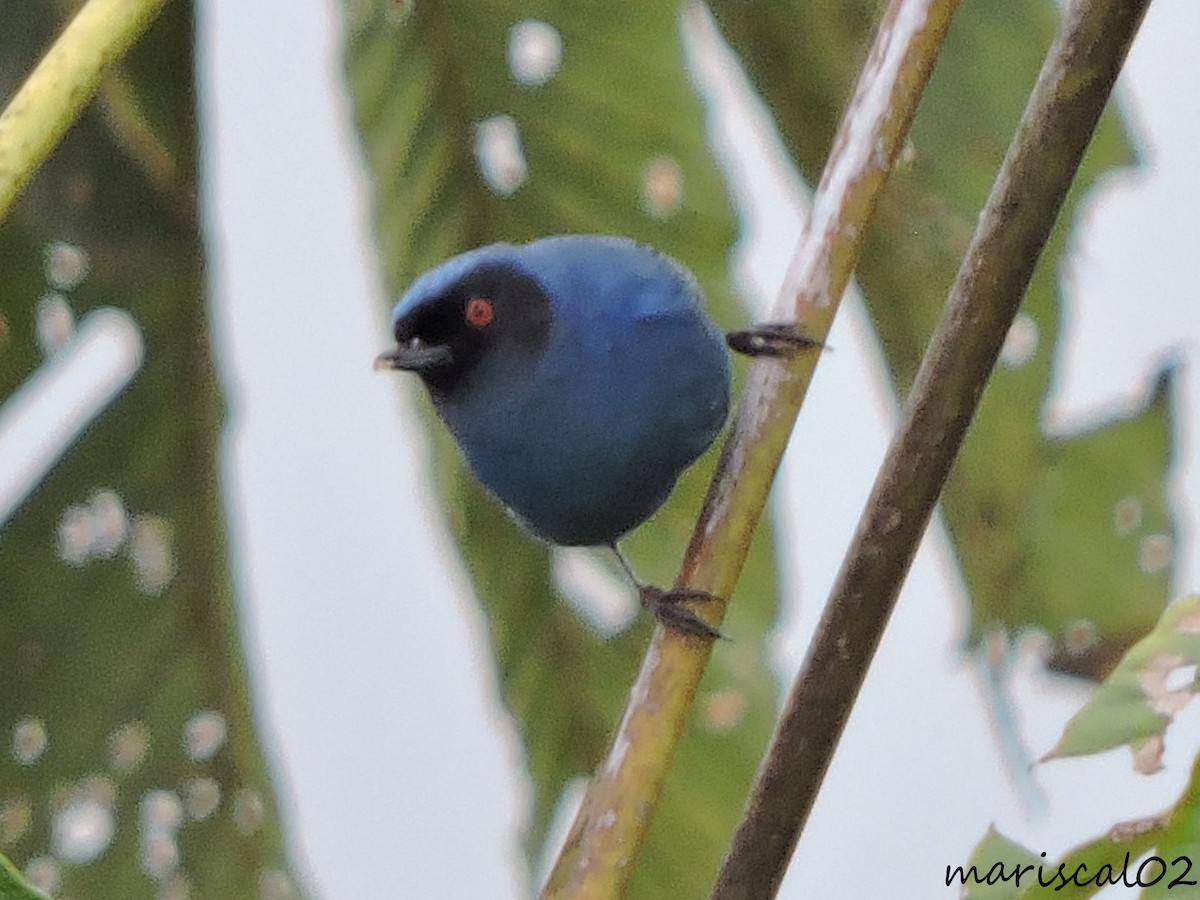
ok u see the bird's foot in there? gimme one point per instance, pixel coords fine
(771, 339)
(668, 607)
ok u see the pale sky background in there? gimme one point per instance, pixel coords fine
(399, 771)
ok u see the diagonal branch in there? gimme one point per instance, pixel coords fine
(58, 88)
(1072, 90)
(608, 831)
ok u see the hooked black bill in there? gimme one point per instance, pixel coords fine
(415, 356)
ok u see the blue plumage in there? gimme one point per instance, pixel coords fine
(579, 375)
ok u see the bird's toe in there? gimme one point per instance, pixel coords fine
(771, 339)
(670, 609)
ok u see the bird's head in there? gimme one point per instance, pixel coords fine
(474, 307)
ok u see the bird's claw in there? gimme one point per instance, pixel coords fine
(668, 607)
(771, 339)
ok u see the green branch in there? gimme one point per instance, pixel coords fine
(62, 84)
(1072, 90)
(607, 834)
(13, 885)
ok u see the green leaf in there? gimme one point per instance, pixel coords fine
(1009, 502)
(124, 698)
(612, 141)
(1134, 706)
(1101, 494)
(1138, 700)
(996, 870)
(1114, 859)
(1111, 860)
(1179, 843)
(1158, 854)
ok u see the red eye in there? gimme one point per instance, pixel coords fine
(480, 312)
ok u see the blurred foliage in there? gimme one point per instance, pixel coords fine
(124, 701)
(1004, 870)
(119, 682)
(994, 858)
(464, 148)
(613, 142)
(1022, 506)
(1133, 706)
(13, 886)
(1137, 702)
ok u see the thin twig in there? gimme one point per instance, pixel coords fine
(1041, 163)
(61, 85)
(608, 831)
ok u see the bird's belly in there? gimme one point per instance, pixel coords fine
(573, 478)
(571, 492)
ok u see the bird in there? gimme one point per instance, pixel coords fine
(580, 376)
